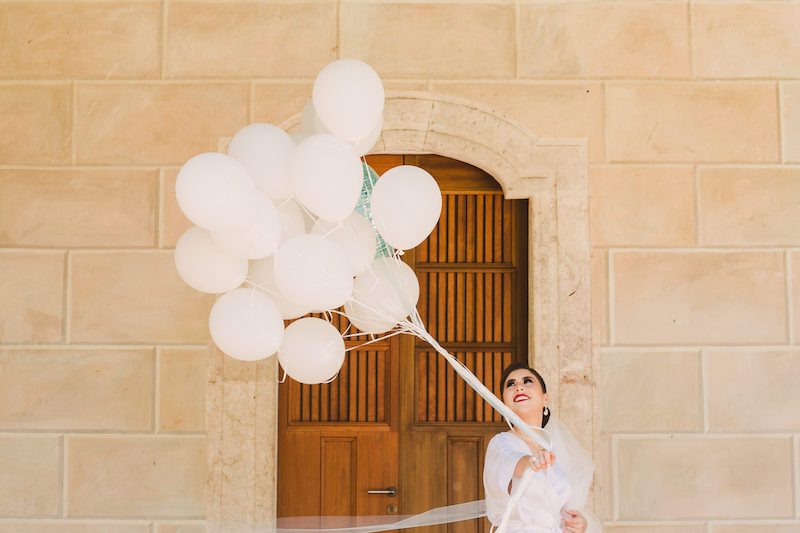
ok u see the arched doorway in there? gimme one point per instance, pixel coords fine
(397, 415)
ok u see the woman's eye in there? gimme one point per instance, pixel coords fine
(528, 380)
(509, 384)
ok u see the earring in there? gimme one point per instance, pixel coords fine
(545, 411)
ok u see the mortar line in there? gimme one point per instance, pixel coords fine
(690, 38)
(164, 24)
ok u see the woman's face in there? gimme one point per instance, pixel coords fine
(523, 393)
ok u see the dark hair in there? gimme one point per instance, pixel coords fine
(522, 366)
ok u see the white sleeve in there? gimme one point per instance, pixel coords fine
(498, 471)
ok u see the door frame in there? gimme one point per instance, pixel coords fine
(242, 398)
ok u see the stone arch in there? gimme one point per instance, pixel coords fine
(552, 175)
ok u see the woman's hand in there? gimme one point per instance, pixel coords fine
(541, 460)
(574, 522)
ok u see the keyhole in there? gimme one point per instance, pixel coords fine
(391, 508)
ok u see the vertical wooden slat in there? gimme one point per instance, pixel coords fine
(452, 228)
(314, 390)
(508, 231)
(421, 376)
(461, 221)
(469, 401)
(324, 406)
(479, 306)
(469, 307)
(383, 387)
(460, 396)
(433, 304)
(488, 365)
(489, 229)
(451, 306)
(470, 238)
(372, 380)
(461, 307)
(480, 373)
(352, 391)
(508, 315)
(480, 254)
(498, 370)
(488, 308)
(336, 391)
(344, 388)
(422, 303)
(431, 358)
(498, 228)
(441, 388)
(362, 387)
(497, 335)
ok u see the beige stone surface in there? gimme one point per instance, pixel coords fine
(790, 121)
(81, 40)
(32, 293)
(750, 206)
(651, 391)
(29, 485)
(604, 39)
(443, 40)
(694, 528)
(64, 527)
(156, 124)
(173, 222)
(182, 389)
(705, 478)
(180, 528)
(599, 266)
(699, 298)
(41, 118)
(753, 390)
(794, 258)
(134, 297)
(700, 122)
(76, 389)
(220, 40)
(136, 476)
(642, 206)
(78, 208)
(276, 102)
(746, 40)
(756, 528)
(548, 109)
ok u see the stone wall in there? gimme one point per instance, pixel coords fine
(692, 112)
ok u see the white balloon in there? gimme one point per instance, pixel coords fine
(354, 236)
(348, 98)
(262, 276)
(366, 320)
(310, 121)
(204, 266)
(264, 150)
(367, 143)
(406, 203)
(292, 219)
(260, 239)
(312, 351)
(326, 176)
(313, 272)
(246, 325)
(299, 137)
(388, 291)
(215, 192)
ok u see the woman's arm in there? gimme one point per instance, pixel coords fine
(536, 462)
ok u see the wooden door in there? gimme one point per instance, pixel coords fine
(473, 298)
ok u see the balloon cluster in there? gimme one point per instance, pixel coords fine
(306, 226)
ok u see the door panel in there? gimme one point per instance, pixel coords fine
(397, 414)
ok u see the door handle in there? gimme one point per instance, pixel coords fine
(389, 491)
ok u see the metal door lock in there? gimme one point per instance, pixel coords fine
(391, 508)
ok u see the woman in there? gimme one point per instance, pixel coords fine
(548, 504)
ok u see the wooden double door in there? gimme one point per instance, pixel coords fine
(397, 416)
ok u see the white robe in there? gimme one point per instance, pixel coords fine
(539, 509)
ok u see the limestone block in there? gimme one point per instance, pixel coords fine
(275, 103)
(135, 297)
(599, 297)
(29, 485)
(81, 40)
(753, 390)
(698, 298)
(39, 120)
(750, 206)
(156, 124)
(746, 40)
(173, 222)
(694, 528)
(136, 476)
(705, 478)
(228, 40)
(644, 206)
(76, 389)
(238, 492)
(651, 391)
(444, 40)
(77, 208)
(180, 528)
(182, 389)
(794, 258)
(701, 122)
(548, 109)
(755, 528)
(604, 40)
(32, 292)
(70, 527)
(790, 121)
